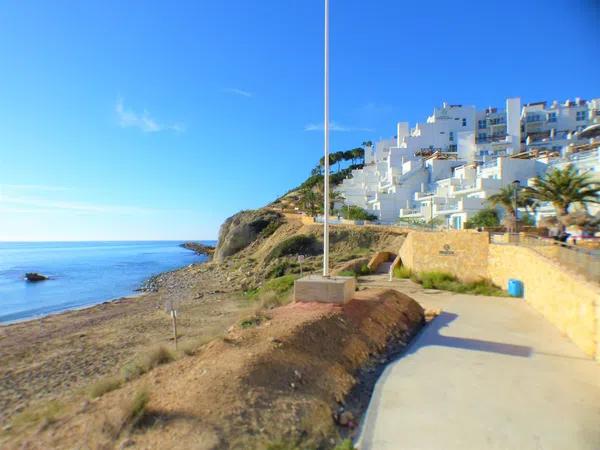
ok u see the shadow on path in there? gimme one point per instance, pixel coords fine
(431, 336)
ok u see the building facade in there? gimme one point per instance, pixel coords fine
(447, 167)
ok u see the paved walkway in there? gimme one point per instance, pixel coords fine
(488, 373)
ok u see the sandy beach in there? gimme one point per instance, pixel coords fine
(62, 354)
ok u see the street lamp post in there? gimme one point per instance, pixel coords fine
(338, 289)
(326, 161)
(516, 184)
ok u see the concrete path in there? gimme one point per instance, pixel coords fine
(487, 373)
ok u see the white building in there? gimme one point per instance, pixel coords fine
(448, 166)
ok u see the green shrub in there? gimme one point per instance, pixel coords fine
(364, 270)
(435, 279)
(485, 218)
(296, 245)
(270, 228)
(355, 213)
(252, 321)
(274, 292)
(279, 270)
(485, 287)
(280, 285)
(101, 387)
(348, 273)
(448, 282)
(402, 272)
(346, 444)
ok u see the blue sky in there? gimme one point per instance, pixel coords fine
(157, 120)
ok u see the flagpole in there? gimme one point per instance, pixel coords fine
(326, 160)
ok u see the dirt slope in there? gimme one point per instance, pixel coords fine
(279, 379)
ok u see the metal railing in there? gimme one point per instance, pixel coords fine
(410, 211)
(583, 261)
(453, 206)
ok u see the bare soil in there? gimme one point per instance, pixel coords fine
(282, 380)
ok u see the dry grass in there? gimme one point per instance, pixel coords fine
(146, 362)
(45, 413)
(101, 387)
(130, 412)
(134, 409)
(192, 346)
(157, 356)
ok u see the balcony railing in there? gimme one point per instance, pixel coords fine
(465, 187)
(452, 206)
(409, 211)
(422, 195)
(491, 139)
(490, 164)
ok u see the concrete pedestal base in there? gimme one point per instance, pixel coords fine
(316, 288)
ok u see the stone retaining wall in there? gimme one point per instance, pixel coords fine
(563, 297)
(463, 254)
(566, 300)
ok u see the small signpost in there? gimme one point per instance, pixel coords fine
(170, 307)
(300, 260)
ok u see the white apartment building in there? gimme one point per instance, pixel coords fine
(448, 166)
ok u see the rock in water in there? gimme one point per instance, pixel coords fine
(34, 276)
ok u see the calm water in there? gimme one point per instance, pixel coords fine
(82, 273)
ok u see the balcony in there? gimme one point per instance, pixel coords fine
(423, 195)
(410, 212)
(467, 187)
(448, 207)
(491, 139)
(490, 164)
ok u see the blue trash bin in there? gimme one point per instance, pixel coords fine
(515, 288)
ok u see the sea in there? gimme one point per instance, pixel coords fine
(80, 274)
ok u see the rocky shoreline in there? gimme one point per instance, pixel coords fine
(199, 248)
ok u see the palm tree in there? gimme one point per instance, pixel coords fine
(349, 155)
(335, 197)
(309, 201)
(563, 188)
(505, 198)
(359, 153)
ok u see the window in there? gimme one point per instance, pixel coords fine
(464, 122)
(482, 136)
(552, 117)
(481, 124)
(533, 117)
(580, 115)
(452, 148)
(451, 136)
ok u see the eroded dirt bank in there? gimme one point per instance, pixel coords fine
(277, 379)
